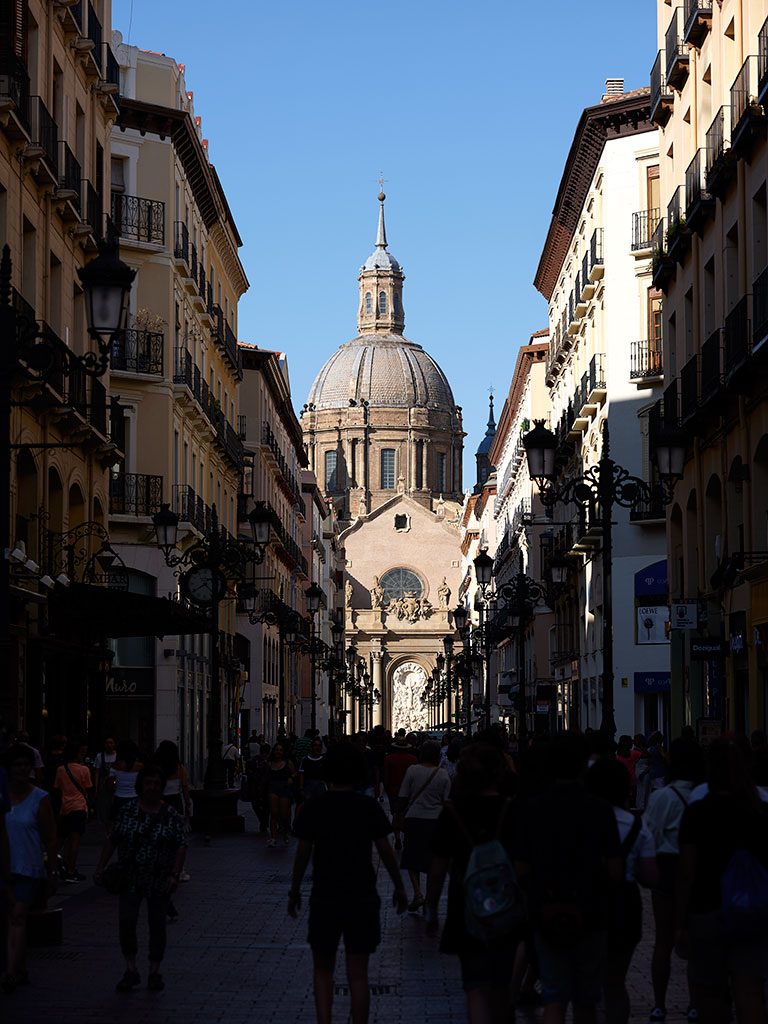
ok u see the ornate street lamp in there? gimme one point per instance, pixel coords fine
(261, 522)
(483, 569)
(597, 491)
(314, 595)
(106, 284)
(460, 614)
(166, 525)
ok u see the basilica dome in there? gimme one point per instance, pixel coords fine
(383, 370)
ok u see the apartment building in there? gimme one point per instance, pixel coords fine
(177, 372)
(58, 98)
(604, 371)
(709, 87)
(524, 543)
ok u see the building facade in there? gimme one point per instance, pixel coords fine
(709, 87)
(384, 438)
(604, 372)
(58, 99)
(177, 372)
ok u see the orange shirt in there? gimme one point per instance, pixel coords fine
(71, 797)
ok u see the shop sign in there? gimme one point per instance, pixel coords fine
(737, 643)
(129, 685)
(542, 707)
(652, 682)
(703, 650)
(652, 624)
(652, 581)
(685, 615)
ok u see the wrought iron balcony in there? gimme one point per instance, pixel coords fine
(721, 160)
(663, 267)
(678, 233)
(44, 135)
(138, 351)
(596, 268)
(181, 241)
(646, 360)
(111, 69)
(676, 51)
(760, 312)
(698, 21)
(14, 96)
(662, 97)
(689, 389)
(183, 367)
(699, 202)
(748, 120)
(736, 339)
(712, 367)
(643, 225)
(762, 64)
(69, 177)
(91, 205)
(138, 219)
(135, 494)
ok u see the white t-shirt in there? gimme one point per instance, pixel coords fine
(643, 845)
(125, 782)
(103, 759)
(230, 752)
(664, 813)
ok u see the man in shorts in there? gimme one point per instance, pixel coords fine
(340, 827)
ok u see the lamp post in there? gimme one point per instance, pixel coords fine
(521, 598)
(484, 574)
(336, 667)
(314, 595)
(38, 356)
(205, 570)
(460, 615)
(597, 491)
(448, 653)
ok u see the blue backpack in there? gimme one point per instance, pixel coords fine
(494, 904)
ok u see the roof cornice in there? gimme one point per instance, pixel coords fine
(629, 114)
(526, 356)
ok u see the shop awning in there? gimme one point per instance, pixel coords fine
(104, 612)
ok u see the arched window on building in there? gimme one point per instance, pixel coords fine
(388, 469)
(368, 303)
(330, 471)
(382, 302)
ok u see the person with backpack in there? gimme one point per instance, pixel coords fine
(473, 843)
(722, 894)
(338, 830)
(569, 859)
(663, 815)
(610, 780)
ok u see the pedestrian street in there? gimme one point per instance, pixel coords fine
(234, 955)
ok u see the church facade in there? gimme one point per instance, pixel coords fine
(385, 439)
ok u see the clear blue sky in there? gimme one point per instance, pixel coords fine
(468, 109)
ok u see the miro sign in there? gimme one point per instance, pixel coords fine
(129, 684)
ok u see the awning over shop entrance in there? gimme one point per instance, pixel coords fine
(103, 611)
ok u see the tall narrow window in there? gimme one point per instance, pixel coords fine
(382, 302)
(368, 303)
(388, 469)
(441, 461)
(330, 471)
(419, 464)
(655, 339)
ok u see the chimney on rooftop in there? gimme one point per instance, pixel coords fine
(613, 87)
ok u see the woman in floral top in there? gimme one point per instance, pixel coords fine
(150, 841)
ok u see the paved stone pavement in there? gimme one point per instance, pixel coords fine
(234, 955)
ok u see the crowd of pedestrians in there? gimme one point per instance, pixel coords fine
(545, 848)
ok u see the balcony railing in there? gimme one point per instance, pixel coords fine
(97, 410)
(94, 31)
(92, 207)
(762, 63)
(181, 241)
(596, 254)
(138, 219)
(182, 367)
(138, 351)
(736, 338)
(596, 377)
(678, 235)
(760, 311)
(746, 113)
(193, 261)
(676, 51)
(650, 510)
(721, 160)
(661, 96)
(699, 203)
(711, 366)
(77, 390)
(698, 20)
(110, 68)
(44, 133)
(689, 389)
(671, 404)
(268, 438)
(69, 174)
(646, 360)
(643, 225)
(135, 494)
(14, 86)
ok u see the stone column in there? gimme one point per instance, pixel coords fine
(377, 683)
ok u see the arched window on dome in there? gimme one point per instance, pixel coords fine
(382, 303)
(368, 303)
(387, 469)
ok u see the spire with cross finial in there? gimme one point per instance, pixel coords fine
(381, 234)
(482, 455)
(381, 285)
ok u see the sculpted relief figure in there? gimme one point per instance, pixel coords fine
(377, 594)
(408, 711)
(444, 593)
(348, 594)
(425, 608)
